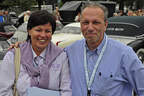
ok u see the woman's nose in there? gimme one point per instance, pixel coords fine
(43, 33)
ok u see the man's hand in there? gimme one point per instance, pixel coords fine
(15, 45)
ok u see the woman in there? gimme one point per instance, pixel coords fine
(43, 64)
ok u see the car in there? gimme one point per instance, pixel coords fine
(125, 28)
(128, 30)
(6, 30)
(67, 35)
(20, 34)
(138, 47)
(4, 45)
(13, 17)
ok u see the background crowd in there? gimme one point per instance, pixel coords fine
(138, 12)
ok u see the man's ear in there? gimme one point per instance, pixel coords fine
(106, 24)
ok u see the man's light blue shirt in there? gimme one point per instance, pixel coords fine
(92, 56)
(119, 72)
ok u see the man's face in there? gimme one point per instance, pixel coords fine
(93, 24)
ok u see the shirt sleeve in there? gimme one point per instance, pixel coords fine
(65, 81)
(7, 74)
(134, 71)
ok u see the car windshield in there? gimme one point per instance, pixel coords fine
(123, 29)
(73, 30)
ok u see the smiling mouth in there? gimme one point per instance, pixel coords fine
(42, 40)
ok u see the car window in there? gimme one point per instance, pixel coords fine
(122, 29)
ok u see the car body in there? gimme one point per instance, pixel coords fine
(138, 47)
(129, 30)
(4, 45)
(67, 35)
(20, 34)
(13, 17)
(6, 30)
(125, 28)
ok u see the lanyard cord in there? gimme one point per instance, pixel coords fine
(90, 80)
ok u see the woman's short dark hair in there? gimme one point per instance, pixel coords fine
(41, 17)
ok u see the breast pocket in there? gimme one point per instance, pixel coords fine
(102, 84)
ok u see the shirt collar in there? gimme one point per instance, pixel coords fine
(99, 48)
(43, 54)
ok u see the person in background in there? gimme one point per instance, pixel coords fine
(130, 13)
(27, 15)
(115, 14)
(43, 64)
(1, 17)
(7, 18)
(101, 66)
(77, 18)
(57, 14)
(121, 13)
(140, 13)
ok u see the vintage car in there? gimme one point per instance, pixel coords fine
(129, 30)
(67, 35)
(6, 31)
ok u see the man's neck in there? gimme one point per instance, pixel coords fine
(93, 45)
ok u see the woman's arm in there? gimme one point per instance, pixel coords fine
(7, 74)
(65, 84)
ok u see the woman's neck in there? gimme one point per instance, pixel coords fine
(38, 51)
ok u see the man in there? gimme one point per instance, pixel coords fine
(7, 18)
(99, 65)
(1, 17)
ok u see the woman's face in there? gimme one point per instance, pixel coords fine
(40, 37)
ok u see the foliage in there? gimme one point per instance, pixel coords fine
(23, 4)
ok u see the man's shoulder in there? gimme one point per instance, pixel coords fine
(114, 44)
(78, 43)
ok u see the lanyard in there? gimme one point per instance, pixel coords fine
(90, 80)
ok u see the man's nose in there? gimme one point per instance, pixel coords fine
(90, 26)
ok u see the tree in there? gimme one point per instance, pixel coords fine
(26, 4)
(40, 2)
(23, 4)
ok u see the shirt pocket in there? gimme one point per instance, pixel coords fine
(102, 84)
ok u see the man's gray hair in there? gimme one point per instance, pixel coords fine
(96, 5)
